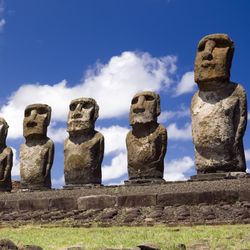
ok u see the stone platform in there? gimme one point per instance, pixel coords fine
(189, 202)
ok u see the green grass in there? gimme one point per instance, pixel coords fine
(219, 237)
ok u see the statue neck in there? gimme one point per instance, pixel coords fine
(35, 139)
(81, 135)
(215, 86)
(2, 146)
(144, 129)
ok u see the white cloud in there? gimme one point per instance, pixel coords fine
(186, 85)
(2, 20)
(116, 169)
(175, 169)
(57, 134)
(15, 172)
(116, 183)
(2, 24)
(175, 133)
(115, 138)
(247, 154)
(58, 182)
(169, 114)
(112, 85)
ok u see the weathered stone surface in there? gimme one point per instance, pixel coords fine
(148, 247)
(6, 158)
(84, 148)
(180, 247)
(37, 154)
(218, 110)
(64, 203)
(245, 195)
(30, 247)
(147, 141)
(7, 244)
(96, 202)
(197, 198)
(38, 204)
(78, 247)
(140, 200)
(10, 205)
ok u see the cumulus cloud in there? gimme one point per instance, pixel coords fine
(186, 84)
(176, 169)
(57, 134)
(116, 169)
(15, 172)
(58, 182)
(2, 20)
(115, 138)
(170, 114)
(175, 133)
(2, 24)
(112, 85)
(247, 154)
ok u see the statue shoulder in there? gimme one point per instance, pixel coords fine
(8, 151)
(50, 143)
(129, 135)
(162, 130)
(195, 97)
(99, 136)
(239, 91)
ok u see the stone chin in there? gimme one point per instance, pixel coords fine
(77, 126)
(205, 74)
(142, 118)
(38, 130)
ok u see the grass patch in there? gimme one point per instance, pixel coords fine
(50, 238)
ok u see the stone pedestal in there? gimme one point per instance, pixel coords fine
(144, 181)
(219, 176)
(79, 186)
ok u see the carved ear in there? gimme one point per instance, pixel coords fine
(48, 115)
(96, 114)
(158, 103)
(5, 125)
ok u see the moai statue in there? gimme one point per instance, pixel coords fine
(147, 141)
(37, 153)
(84, 148)
(219, 109)
(6, 158)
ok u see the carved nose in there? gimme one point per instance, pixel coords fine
(207, 56)
(33, 115)
(139, 110)
(77, 115)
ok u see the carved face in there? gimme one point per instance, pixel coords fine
(145, 107)
(36, 119)
(82, 114)
(3, 129)
(213, 59)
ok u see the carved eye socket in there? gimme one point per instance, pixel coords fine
(87, 105)
(42, 111)
(72, 107)
(134, 100)
(27, 112)
(201, 47)
(149, 98)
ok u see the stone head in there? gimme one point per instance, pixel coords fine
(36, 120)
(83, 113)
(145, 107)
(213, 59)
(3, 129)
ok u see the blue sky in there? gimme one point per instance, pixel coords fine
(52, 51)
